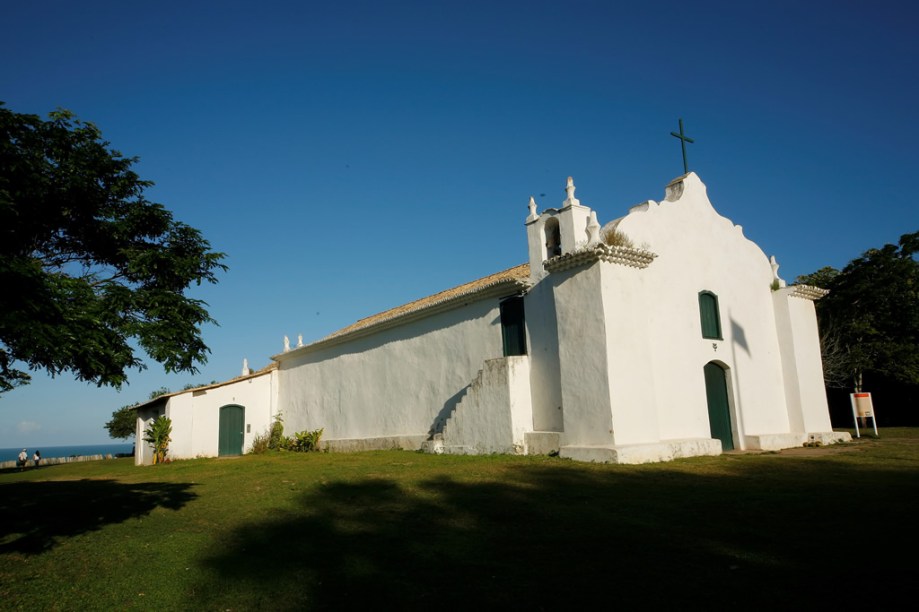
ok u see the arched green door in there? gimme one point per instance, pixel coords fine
(719, 410)
(232, 418)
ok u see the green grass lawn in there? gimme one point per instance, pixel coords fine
(398, 529)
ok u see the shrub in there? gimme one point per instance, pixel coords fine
(273, 439)
(260, 444)
(303, 441)
(159, 435)
(613, 237)
(276, 433)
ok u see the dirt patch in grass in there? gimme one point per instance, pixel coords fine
(857, 444)
(819, 451)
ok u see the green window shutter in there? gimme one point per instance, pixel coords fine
(708, 313)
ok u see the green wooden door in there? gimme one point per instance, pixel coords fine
(231, 430)
(719, 411)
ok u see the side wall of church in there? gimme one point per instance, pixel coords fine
(698, 250)
(400, 381)
(800, 341)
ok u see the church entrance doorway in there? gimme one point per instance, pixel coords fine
(231, 430)
(719, 409)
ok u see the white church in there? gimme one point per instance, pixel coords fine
(662, 334)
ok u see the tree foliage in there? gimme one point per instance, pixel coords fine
(123, 424)
(823, 277)
(870, 318)
(159, 392)
(88, 266)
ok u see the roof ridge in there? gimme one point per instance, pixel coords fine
(518, 274)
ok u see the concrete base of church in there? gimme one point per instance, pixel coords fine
(774, 441)
(462, 449)
(829, 437)
(542, 442)
(437, 446)
(548, 443)
(794, 440)
(353, 445)
(536, 443)
(643, 453)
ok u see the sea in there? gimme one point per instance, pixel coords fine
(47, 452)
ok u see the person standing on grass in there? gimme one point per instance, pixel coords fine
(21, 461)
(36, 458)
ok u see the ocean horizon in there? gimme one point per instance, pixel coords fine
(80, 450)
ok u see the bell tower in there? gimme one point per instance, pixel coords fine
(556, 231)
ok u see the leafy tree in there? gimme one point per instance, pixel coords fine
(87, 263)
(870, 318)
(123, 423)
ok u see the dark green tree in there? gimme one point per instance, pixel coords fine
(124, 419)
(821, 278)
(89, 268)
(123, 424)
(870, 318)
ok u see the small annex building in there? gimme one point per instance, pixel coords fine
(212, 420)
(663, 334)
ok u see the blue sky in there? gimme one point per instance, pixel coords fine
(352, 156)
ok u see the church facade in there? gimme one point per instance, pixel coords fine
(663, 334)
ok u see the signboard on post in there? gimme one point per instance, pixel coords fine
(863, 408)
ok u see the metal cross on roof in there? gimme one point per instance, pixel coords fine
(683, 140)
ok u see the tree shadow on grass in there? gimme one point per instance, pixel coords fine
(35, 516)
(558, 536)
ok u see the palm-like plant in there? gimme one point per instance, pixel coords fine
(158, 434)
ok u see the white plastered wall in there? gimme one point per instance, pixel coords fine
(143, 452)
(700, 250)
(803, 367)
(583, 357)
(495, 414)
(542, 347)
(632, 377)
(400, 381)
